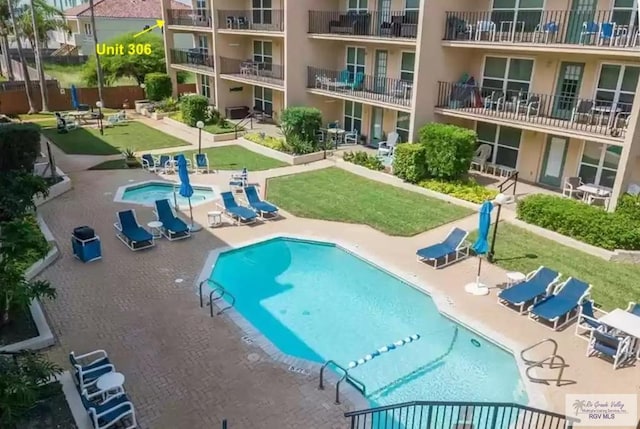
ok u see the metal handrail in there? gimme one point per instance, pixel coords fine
(357, 384)
(243, 122)
(221, 291)
(514, 179)
(546, 340)
(541, 363)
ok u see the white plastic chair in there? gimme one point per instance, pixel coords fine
(386, 148)
(570, 187)
(481, 156)
(488, 27)
(351, 137)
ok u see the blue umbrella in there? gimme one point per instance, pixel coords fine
(186, 190)
(481, 246)
(74, 97)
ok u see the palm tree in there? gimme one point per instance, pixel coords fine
(35, 44)
(95, 48)
(4, 37)
(47, 19)
(23, 63)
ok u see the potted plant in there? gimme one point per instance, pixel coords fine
(130, 158)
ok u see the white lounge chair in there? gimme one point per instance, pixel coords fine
(386, 148)
(481, 156)
(201, 163)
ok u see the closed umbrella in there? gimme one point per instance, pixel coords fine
(186, 190)
(481, 247)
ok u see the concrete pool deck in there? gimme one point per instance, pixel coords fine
(185, 369)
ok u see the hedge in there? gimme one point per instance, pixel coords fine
(629, 205)
(19, 146)
(194, 108)
(410, 162)
(449, 150)
(466, 190)
(589, 224)
(157, 86)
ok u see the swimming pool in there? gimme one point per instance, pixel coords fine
(146, 193)
(316, 301)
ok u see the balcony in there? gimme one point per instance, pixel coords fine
(597, 120)
(192, 59)
(258, 20)
(252, 71)
(402, 26)
(189, 18)
(373, 90)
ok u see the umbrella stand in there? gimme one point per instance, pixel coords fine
(193, 227)
(477, 288)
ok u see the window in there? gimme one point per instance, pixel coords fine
(203, 45)
(357, 6)
(624, 12)
(403, 120)
(407, 66)
(412, 5)
(599, 164)
(205, 89)
(262, 51)
(527, 11)
(261, 12)
(352, 116)
(504, 142)
(511, 76)
(201, 8)
(263, 99)
(355, 59)
(617, 86)
(87, 29)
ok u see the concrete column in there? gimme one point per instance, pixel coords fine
(167, 35)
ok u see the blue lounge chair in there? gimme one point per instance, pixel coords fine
(606, 344)
(588, 319)
(563, 303)
(634, 308)
(452, 249)
(535, 286)
(115, 410)
(131, 233)
(236, 212)
(89, 367)
(201, 161)
(173, 228)
(148, 162)
(260, 206)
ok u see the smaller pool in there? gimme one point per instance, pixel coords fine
(146, 193)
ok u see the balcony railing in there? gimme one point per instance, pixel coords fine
(374, 88)
(599, 28)
(584, 115)
(192, 57)
(253, 70)
(256, 20)
(378, 24)
(191, 18)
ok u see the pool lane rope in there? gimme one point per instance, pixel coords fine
(382, 350)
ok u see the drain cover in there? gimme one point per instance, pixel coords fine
(179, 280)
(253, 357)
(108, 193)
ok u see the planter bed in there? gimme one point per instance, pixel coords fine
(21, 328)
(51, 411)
(219, 137)
(284, 157)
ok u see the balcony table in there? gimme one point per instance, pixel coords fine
(601, 111)
(626, 322)
(592, 192)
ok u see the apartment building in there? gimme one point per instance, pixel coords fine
(549, 85)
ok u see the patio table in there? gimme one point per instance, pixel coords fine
(626, 322)
(336, 134)
(80, 116)
(593, 192)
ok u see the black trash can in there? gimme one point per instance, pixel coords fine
(84, 233)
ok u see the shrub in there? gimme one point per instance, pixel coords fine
(410, 162)
(583, 222)
(267, 141)
(467, 190)
(19, 147)
(157, 86)
(449, 149)
(296, 144)
(303, 122)
(168, 105)
(194, 108)
(629, 205)
(364, 159)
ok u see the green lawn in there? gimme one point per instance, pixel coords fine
(614, 284)
(234, 157)
(134, 135)
(337, 195)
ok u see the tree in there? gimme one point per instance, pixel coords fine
(4, 37)
(35, 44)
(47, 18)
(17, 190)
(135, 65)
(449, 150)
(23, 63)
(98, 68)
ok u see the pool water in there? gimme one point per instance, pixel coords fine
(316, 301)
(148, 193)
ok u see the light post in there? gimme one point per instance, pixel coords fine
(499, 200)
(99, 106)
(200, 126)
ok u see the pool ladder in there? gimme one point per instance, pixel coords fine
(220, 292)
(357, 384)
(553, 361)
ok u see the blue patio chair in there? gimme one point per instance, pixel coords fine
(201, 161)
(131, 233)
(608, 345)
(634, 308)
(563, 303)
(588, 320)
(606, 32)
(454, 248)
(115, 411)
(164, 163)
(239, 181)
(97, 401)
(89, 367)
(535, 286)
(173, 228)
(589, 30)
(345, 77)
(547, 29)
(260, 206)
(149, 162)
(234, 211)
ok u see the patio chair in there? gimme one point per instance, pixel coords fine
(387, 147)
(148, 162)
(589, 30)
(239, 181)
(546, 30)
(129, 231)
(583, 110)
(89, 367)
(352, 137)
(65, 123)
(634, 308)
(488, 27)
(116, 118)
(571, 185)
(564, 302)
(454, 248)
(358, 80)
(481, 156)
(606, 35)
(530, 106)
(536, 285)
(101, 400)
(117, 414)
(259, 205)
(165, 165)
(173, 228)
(201, 162)
(240, 214)
(608, 345)
(495, 101)
(588, 320)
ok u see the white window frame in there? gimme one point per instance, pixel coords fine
(496, 145)
(413, 72)
(359, 7)
(201, 8)
(204, 50)
(506, 71)
(262, 10)
(263, 58)
(259, 95)
(205, 86)
(352, 115)
(411, 9)
(517, 8)
(617, 92)
(634, 13)
(600, 167)
(398, 113)
(356, 67)
(88, 30)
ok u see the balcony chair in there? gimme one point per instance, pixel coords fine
(530, 106)
(495, 101)
(584, 109)
(620, 124)
(588, 320)
(546, 31)
(570, 187)
(589, 31)
(608, 34)
(481, 156)
(488, 27)
(618, 348)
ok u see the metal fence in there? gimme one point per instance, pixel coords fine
(379, 24)
(187, 17)
(256, 19)
(191, 57)
(253, 70)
